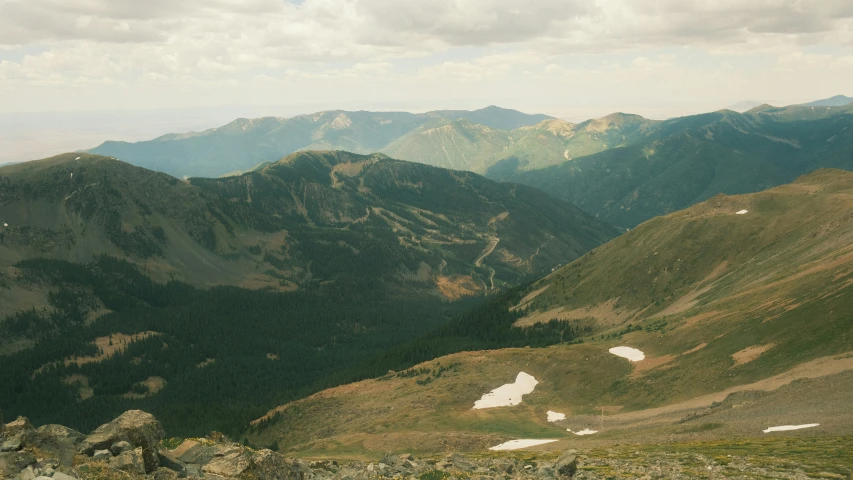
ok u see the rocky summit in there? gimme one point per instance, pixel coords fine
(133, 446)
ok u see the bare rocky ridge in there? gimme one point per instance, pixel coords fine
(133, 448)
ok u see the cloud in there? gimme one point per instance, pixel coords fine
(273, 42)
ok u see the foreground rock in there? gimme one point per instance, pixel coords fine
(117, 451)
(135, 427)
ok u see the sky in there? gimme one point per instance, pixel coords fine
(573, 59)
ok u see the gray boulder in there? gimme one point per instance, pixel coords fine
(101, 455)
(11, 463)
(12, 444)
(567, 464)
(58, 441)
(169, 461)
(120, 447)
(62, 476)
(138, 428)
(18, 426)
(130, 461)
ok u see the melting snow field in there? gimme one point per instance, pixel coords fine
(516, 444)
(785, 428)
(555, 416)
(509, 394)
(585, 431)
(631, 354)
(741, 212)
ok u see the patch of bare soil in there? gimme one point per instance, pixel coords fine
(82, 382)
(107, 346)
(457, 286)
(605, 314)
(650, 363)
(749, 354)
(153, 384)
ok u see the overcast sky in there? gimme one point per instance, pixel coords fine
(562, 57)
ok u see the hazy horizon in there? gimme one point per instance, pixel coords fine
(26, 136)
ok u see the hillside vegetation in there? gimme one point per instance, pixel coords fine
(212, 300)
(743, 320)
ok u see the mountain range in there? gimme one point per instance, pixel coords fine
(622, 168)
(621, 281)
(246, 143)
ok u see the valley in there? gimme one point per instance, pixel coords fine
(720, 340)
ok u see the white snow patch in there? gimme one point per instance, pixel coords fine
(631, 354)
(516, 444)
(78, 158)
(785, 428)
(585, 431)
(741, 212)
(509, 394)
(555, 416)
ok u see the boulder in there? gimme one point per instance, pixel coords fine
(11, 463)
(58, 441)
(62, 476)
(169, 461)
(12, 444)
(120, 447)
(231, 465)
(27, 474)
(101, 455)
(202, 453)
(567, 464)
(164, 474)
(131, 461)
(18, 426)
(138, 428)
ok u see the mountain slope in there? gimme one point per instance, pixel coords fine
(836, 101)
(245, 143)
(742, 318)
(125, 288)
(687, 160)
(311, 218)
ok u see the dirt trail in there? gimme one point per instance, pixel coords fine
(493, 242)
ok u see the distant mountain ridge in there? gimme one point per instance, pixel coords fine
(836, 101)
(245, 143)
(676, 163)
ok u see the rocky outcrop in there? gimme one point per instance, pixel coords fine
(136, 427)
(59, 441)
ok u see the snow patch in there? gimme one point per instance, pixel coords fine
(741, 212)
(585, 431)
(785, 428)
(555, 416)
(631, 354)
(516, 444)
(509, 394)
(78, 158)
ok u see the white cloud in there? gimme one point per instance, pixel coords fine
(352, 44)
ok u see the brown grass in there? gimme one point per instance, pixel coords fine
(457, 286)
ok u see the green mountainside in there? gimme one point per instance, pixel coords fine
(210, 301)
(835, 101)
(244, 143)
(310, 218)
(683, 161)
(740, 305)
